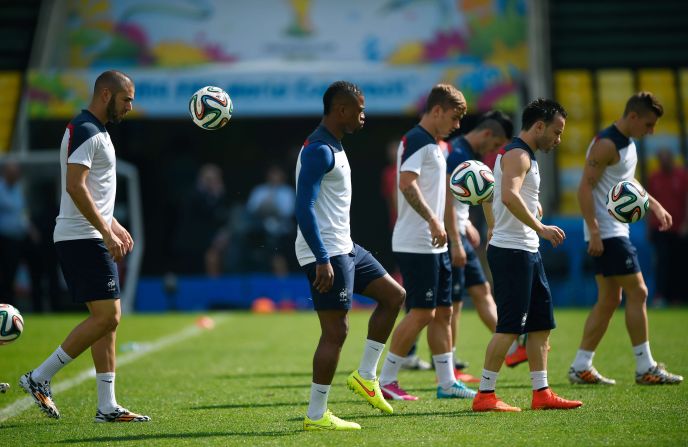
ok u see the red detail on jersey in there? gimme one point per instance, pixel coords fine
(403, 142)
(70, 128)
(306, 143)
(501, 151)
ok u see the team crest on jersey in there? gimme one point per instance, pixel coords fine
(428, 295)
(523, 319)
(629, 262)
(111, 285)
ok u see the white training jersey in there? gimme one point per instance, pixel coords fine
(419, 152)
(332, 204)
(623, 170)
(509, 232)
(86, 142)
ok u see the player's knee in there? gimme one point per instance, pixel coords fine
(399, 298)
(336, 333)
(639, 294)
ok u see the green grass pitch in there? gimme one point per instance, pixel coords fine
(246, 382)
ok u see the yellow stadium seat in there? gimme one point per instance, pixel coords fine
(614, 87)
(573, 89)
(662, 83)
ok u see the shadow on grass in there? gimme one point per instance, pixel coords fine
(273, 375)
(304, 386)
(354, 417)
(125, 438)
(301, 403)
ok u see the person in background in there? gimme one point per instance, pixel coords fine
(669, 186)
(19, 238)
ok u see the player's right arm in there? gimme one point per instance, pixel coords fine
(457, 251)
(408, 185)
(515, 166)
(77, 190)
(600, 156)
(316, 161)
(489, 216)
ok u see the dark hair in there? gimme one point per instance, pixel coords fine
(113, 80)
(541, 110)
(336, 90)
(643, 102)
(446, 96)
(498, 122)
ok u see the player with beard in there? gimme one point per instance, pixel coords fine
(89, 240)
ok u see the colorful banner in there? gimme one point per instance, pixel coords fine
(275, 57)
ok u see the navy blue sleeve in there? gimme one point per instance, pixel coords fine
(316, 161)
(454, 159)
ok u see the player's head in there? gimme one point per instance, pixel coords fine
(343, 102)
(494, 130)
(444, 109)
(544, 120)
(114, 91)
(641, 114)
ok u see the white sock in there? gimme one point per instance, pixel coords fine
(371, 356)
(643, 358)
(444, 369)
(513, 347)
(539, 379)
(106, 392)
(318, 403)
(583, 360)
(57, 360)
(390, 368)
(488, 380)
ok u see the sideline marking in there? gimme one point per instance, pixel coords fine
(18, 406)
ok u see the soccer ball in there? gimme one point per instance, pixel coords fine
(627, 202)
(211, 108)
(471, 182)
(11, 324)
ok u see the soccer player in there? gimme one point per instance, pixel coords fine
(419, 243)
(89, 240)
(524, 301)
(610, 159)
(493, 130)
(335, 266)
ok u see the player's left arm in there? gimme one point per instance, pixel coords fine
(457, 252)
(489, 216)
(663, 216)
(515, 165)
(123, 235)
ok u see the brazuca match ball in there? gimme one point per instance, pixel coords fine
(11, 324)
(471, 182)
(211, 108)
(627, 202)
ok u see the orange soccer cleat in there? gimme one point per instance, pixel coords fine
(547, 400)
(490, 402)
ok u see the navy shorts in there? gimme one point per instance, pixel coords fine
(468, 276)
(88, 269)
(427, 279)
(619, 258)
(352, 274)
(521, 291)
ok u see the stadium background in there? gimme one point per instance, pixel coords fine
(275, 58)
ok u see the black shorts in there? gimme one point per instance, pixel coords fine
(468, 276)
(88, 269)
(620, 257)
(521, 291)
(352, 274)
(427, 279)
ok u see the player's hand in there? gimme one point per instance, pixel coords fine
(114, 245)
(553, 234)
(123, 235)
(473, 235)
(595, 246)
(458, 254)
(664, 218)
(437, 232)
(324, 277)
